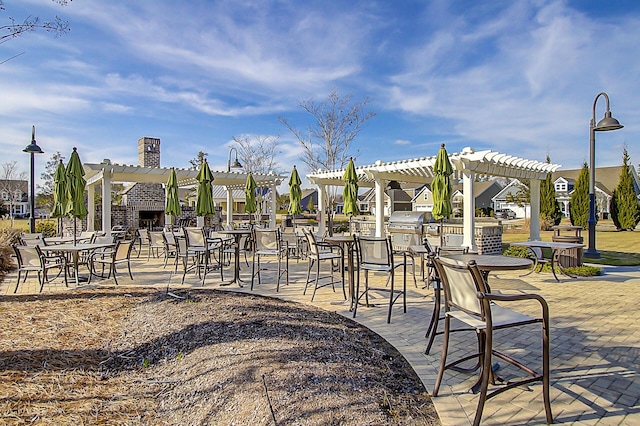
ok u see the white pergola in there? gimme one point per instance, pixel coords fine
(104, 173)
(469, 164)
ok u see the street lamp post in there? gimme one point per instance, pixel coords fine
(236, 164)
(606, 124)
(32, 148)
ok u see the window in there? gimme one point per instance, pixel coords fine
(561, 186)
(426, 195)
(5, 196)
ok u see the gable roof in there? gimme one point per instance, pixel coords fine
(607, 178)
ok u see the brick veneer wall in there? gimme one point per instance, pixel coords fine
(488, 237)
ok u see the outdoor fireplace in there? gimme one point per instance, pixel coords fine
(151, 219)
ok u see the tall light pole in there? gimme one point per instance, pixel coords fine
(607, 123)
(236, 164)
(33, 148)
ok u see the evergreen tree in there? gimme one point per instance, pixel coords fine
(45, 196)
(624, 208)
(550, 213)
(579, 203)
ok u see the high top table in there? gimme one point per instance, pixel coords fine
(347, 242)
(237, 236)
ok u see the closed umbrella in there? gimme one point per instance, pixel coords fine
(75, 190)
(173, 200)
(204, 202)
(295, 193)
(250, 195)
(350, 192)
(59, 193)
(441, 188)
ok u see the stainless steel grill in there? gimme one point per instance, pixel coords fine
(405, 229)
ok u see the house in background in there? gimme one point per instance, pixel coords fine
(607, 178)
(500, 200)
(484, 192)
(395, 199)
(309, 196)
(13, 194)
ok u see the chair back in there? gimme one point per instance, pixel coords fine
(311, 242)
(374, 251)
(123, 250)
(28, 256)
(156, 238)
(102, 239)
(266, 239)
(195, 237)
(143, 236)
(32, 239)
(461, 283)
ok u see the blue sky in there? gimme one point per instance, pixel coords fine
(517, 77)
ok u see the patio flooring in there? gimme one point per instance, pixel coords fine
(595, 339)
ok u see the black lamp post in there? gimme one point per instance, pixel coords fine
(33, 148)
(236, 164)
(607, 123)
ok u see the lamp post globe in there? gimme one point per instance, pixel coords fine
(32, 149)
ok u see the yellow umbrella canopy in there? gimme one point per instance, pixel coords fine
(59, 191)
(250, 195)
(295, 193)
(350, 192)
(441, 185)
(204, 202)
(173, 199)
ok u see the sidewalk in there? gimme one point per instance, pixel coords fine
(595, 340)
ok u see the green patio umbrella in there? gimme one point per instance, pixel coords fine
(204, 202)
(250, 195)
(295, 193)
(75, 190)
(350, 192)
(441, 188)
(173, 200)
(59, 193)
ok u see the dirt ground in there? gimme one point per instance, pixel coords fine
(129, 356)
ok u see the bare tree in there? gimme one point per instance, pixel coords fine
(13, 186)
(258, 155)
(15, 28)
(196, 162)
(327, 141)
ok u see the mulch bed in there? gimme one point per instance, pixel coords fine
(131, 356)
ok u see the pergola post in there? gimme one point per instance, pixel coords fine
(91, 201)
(469, 211)
(534, 222)
(380, 185)
(272, 206)
(322, 189)
(229, 205)
(106, 201)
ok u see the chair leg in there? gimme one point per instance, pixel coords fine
(435, 318)
(309, 264)
(443, 357)
(317, 279)
(129, 268)
(486, 372)
(391, 294)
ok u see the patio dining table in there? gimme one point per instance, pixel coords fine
(237, 236)
(347, 242)
(556, 249)
(74, 250)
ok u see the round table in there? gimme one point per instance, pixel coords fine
(493, 262)
(237, 235)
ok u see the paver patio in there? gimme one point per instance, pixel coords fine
(595, 340)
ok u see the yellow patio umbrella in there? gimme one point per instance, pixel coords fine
(204, 202)
(75, 190)
(250, 195)
(441, 188)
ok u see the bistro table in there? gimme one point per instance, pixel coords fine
(237, 236)
(556, 250)
(347, 242)
(75, 249)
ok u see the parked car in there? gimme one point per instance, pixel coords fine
(504, 214)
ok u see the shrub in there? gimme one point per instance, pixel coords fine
(48, 228)
(8, 236)
(517, 251)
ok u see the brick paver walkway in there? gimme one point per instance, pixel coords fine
(595, 341)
